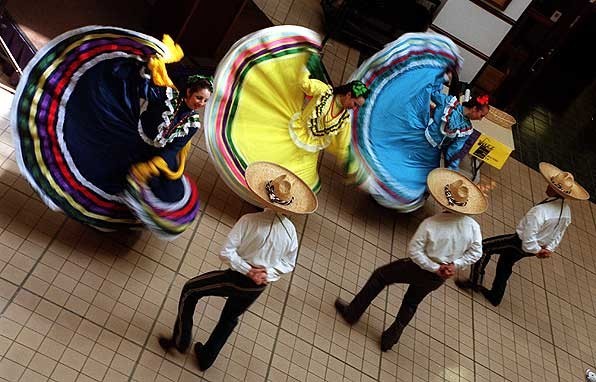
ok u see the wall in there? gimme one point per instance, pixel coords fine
(476, 27)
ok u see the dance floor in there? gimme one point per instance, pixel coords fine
(79, 305)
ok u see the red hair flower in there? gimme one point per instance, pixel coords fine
(482, 100)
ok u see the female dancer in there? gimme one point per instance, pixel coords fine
(100, 128)
(266, 107)
(397, 137)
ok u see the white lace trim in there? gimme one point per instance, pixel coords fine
(429, 138)
(184, 131)
(298, 142)
(445, 120)
(143, 107)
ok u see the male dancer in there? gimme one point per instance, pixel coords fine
(442, 243)
(537, 235)
(260, 248)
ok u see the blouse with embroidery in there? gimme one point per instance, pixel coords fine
(448, 129)
(321, 124)
(161, 122)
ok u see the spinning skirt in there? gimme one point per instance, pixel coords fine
(389, 147)
(256, 93)
(75, 119)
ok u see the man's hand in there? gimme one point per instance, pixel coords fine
(543, 253)
(446, 270)
(258, 275)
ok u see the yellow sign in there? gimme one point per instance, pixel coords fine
(490, 150)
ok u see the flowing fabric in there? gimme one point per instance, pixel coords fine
(266, 108)
(390, 145)
(86, 111)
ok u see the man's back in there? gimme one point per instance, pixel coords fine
(544, 225)
(446, 238)
(265, 232)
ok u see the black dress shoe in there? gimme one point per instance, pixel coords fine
(386, 343)
(167, 344)
(342, 308)
(464, 284)
(204, 361)
(391, 336)
(489, 296)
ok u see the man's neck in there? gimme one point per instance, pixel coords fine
(272, 211)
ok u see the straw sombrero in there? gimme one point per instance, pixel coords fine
(562, 182)
(280, 189)
(455, 192)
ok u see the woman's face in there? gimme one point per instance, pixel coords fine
(198, 99)
(349, 102)
(477, 113)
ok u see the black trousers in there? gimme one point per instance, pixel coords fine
(509, 248)
(240, 291)
(403, 271)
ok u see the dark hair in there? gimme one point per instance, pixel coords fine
(356, 88)
(185, 77)
(201, 83)
(477, 101)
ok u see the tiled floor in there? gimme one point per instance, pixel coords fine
(563, 137)
(80, 305)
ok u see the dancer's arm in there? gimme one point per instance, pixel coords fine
(229, 254)
(474, 251)
(558, 235)
(527, 231)
(452, 152)
(438, 98)
(287, 260)
(312, 87)
(416, 249)
(286, 263)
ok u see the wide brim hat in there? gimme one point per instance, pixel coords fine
(258, 174)
(439, 178)
(550, 171)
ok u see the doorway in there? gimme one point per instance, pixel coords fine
(543, 35)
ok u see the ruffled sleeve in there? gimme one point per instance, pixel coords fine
(307, 129)
(157, 114)
(312, 87)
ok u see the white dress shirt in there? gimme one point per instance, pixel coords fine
(541, 228)
(446, 238)
(264, 239)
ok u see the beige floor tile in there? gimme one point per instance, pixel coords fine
(79, 305)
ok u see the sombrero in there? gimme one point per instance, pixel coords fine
(455, 192)
(563, 182)
(280, 189)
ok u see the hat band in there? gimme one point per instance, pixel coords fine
(274, 199)
(560, 187)
(450, 200)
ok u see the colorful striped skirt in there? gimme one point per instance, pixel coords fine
(256, 93)
(76, 122)
(390, 151)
